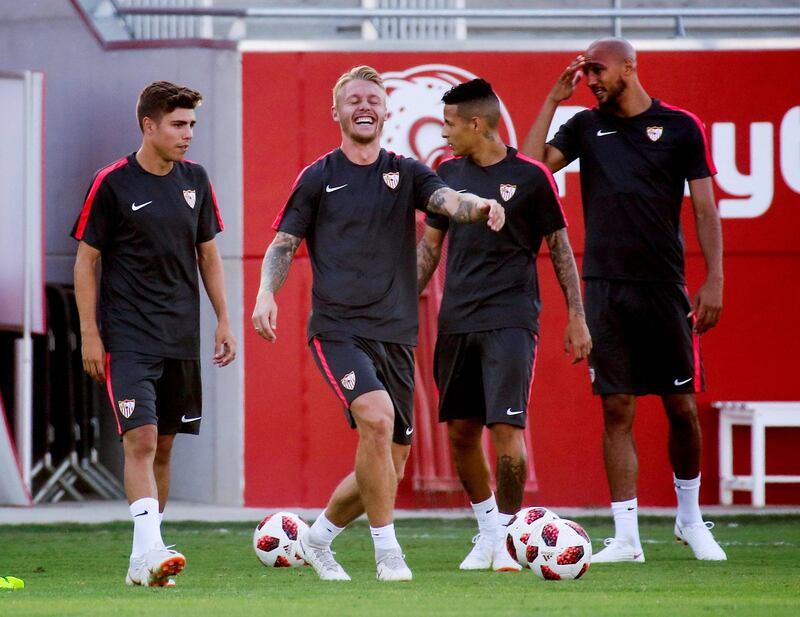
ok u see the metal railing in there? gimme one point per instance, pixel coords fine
(415, 19)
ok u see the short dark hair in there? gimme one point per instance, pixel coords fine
(475, 98)
(164, 97)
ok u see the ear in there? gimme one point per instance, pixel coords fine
(334, 113)
(477, 124)
(147, 125)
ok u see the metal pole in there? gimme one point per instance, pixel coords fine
(24, 347)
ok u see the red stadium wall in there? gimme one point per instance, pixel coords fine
(297, 445)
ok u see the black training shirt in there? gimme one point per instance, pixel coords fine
(147, 228)
(359, 226)
(491, 277)
(632, 180)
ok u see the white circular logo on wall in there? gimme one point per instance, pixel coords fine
(414, 101)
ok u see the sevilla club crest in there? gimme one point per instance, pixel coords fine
(654, 132)
(507, 191)
(349, 380)
(126, 407)
(189, 196)
(392, 179)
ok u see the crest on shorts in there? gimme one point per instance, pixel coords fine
(349, 380)
(190, 196)
(654, 132)
(507, 191)
(392, 179)
(126, 407)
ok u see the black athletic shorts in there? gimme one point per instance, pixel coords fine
(353, 366)
(485, 375)
(145, 389)
(642, 339)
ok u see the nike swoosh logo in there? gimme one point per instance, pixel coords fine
(489, 510)
(678, 382)
(134, 207)
(601, 133)
(409, 430)
(185, 419)
(331, 189)
(514, 413)
(140, 514)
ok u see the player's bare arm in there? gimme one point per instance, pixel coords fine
(576, 336)
(209, 263)
(535, 144)
(92, 350)
(429, 251)
(467, 208)
(707, 305)
(274, 270)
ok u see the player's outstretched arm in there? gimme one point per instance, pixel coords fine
(576, 337)
(429, 251)
(210, 265)
(535, 145)
(92, 350)
(467, 208)
(274, 270)
(707, 305)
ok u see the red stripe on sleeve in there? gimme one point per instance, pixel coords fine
(110, 391)
(216, 205)
(87, 205)
(329, 374)
(277, 222)
(701, 126)
(550, 179)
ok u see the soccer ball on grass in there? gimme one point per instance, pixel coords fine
(275, 540)
(525, 525)
(561, 550)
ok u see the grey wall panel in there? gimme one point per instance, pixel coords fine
(90, 121)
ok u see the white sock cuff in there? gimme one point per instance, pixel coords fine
(145, 504)
(324, 520)
(480, 507)
(624, 505)
(685, 485)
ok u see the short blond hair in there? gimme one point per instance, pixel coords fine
(362, 72)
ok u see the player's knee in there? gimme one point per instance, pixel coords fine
(141, 442)
(618, 413)
(376, 425)
(508, 440)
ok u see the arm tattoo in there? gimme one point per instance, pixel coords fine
(466, 209)
(427, 260)
(277, 260)
(565, 269)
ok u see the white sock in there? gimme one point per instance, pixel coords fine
(146, 526)
(626, 521)
(502, 527)
(486, 513)
(383, 538)
(323, 532)
(688, 493)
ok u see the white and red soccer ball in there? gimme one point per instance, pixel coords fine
(523, 526)
(561, 550)
(275, 540)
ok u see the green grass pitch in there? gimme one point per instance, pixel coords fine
(78, 570)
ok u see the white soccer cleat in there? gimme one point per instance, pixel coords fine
(481, 556)
(391, 566)
(700, 539)
(502, 560)
(618, 551)
(155, 567)
(322, 559)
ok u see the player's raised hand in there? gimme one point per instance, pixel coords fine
(707, 306)
(224, 345)
(265, 317)
(577, 339)
(495, 214)
(568, 80)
